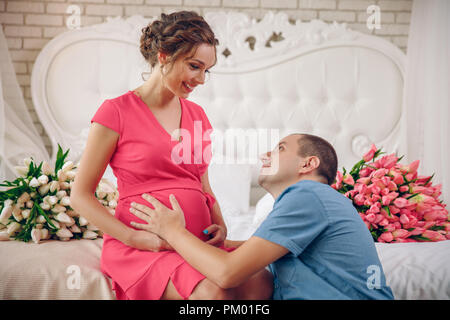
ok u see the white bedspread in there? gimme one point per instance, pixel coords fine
(417, 270)
(40, 271)
(30, 271)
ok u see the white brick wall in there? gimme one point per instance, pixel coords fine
(341, 16)
(43, 20)
(103, 10)
(317, 4)
(25, 7)
(279, 4)
(29, 24)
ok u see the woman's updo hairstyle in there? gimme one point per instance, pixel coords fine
(175, 34)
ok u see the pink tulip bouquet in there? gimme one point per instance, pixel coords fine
(395, 203)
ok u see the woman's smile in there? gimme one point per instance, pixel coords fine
(188, 87)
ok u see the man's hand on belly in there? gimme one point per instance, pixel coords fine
(161, 220)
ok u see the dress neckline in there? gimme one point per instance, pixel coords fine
(139, 99)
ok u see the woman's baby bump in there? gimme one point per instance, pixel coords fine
(193, 203)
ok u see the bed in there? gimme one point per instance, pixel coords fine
(273, 77)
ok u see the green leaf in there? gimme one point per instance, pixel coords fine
(38, 170)
(6, 184)
(420, 238)
(60, 152)
(374, 235)
(436, 228)
(60, 158)
(30, 169)
(357, 167)
(13, 193)
(388, 210)
(429, 179)
(42, 212)
(377, 153)
(412, 196)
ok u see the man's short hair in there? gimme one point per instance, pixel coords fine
(311, 145)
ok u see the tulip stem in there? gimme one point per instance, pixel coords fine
(25, 235)
(413, 195)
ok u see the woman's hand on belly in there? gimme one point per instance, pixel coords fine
(144, 240)
(217, 235)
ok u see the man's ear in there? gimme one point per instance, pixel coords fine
(309, 164)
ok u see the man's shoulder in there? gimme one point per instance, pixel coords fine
(305, 197)
(309, 189)
(318, 197)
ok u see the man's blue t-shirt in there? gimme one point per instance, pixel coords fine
(332, 253)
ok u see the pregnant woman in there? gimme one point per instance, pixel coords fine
(139, 134)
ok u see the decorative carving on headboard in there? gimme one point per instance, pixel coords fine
(360, 145)
(79, 143)
(240, 36)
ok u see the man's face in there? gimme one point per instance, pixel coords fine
(282, 164)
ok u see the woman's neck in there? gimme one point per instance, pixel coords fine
(154, 93)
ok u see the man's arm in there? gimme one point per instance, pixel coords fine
(226, 269)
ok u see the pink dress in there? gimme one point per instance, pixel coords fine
(143, 162)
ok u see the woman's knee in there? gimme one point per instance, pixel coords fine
(208, 290)
(171, 293)
(258, 287)
(266, 278)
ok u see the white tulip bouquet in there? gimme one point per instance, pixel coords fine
(36, 205)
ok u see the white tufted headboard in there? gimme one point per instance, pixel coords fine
(310, 77)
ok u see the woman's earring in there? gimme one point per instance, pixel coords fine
(142, 75)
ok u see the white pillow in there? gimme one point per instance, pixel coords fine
(231, 186)
(109, 175)
(263, 208)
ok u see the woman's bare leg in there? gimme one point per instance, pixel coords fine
(208, 290)
(204, 290)
(171, 293)
(258, 287)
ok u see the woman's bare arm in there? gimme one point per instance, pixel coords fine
(100, 146)
(216, 214)
(233, 243)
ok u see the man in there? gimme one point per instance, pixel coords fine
(314, 240)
